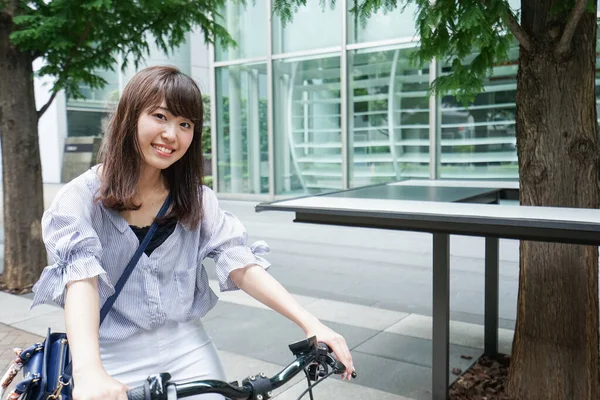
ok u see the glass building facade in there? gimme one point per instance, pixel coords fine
(327, 103)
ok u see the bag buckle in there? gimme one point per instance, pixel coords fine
(56, 394)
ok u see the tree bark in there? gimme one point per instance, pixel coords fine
(555, 350)
(24, 254)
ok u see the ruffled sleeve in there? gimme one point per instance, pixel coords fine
(226, 241)
(73, 246)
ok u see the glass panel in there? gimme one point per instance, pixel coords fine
(308, 141)
(479, 141)
(85, 123)
(398, 23)
(242, 144)
(178, 57)
(312, 27)
(99, 98)
(388, 117)
(247, 25)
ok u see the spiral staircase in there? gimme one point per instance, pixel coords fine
(388, 125)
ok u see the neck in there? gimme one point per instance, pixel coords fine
(151, 181)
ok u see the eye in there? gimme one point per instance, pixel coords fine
(160, 116)
(186, 125)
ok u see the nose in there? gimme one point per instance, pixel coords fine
(169, 133)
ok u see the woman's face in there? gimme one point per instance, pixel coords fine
(163, 138)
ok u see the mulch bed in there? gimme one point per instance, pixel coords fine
(485, 380)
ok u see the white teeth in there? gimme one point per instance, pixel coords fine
(163, 149)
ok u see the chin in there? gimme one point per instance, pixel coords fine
(160, 165)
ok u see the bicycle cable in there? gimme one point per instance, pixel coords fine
(308, 384)
(312, 386)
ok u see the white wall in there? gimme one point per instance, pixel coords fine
(200, 61)
(52, 128)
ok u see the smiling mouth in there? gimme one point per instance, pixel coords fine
(163, 149)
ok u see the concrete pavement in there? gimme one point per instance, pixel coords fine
(372, 286)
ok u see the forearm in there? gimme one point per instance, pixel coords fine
(259, 284)
(82, 320)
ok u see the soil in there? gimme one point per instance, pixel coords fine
(3, 288)
(485, 380)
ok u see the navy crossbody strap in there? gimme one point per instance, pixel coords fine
(66, 376)
(130, 267)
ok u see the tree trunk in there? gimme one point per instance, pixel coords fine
(24, 254)
(555, 351)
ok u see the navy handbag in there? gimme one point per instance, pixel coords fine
(47, 365)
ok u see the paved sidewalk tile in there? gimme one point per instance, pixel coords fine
(11, 338)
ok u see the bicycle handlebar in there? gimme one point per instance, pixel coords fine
(309, 355)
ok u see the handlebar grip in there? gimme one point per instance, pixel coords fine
(138, 393)
(338, 367)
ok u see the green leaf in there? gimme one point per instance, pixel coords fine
(591, 6)
(79, 37)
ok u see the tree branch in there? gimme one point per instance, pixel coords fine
(8, 9)
(516, 29)
(84, 35)
(565, 40)
(46, 106)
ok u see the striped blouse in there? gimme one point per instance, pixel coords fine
(85, 239)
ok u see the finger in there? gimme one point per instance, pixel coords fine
(122, 396)
(343, 355)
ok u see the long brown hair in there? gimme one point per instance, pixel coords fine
(120, 153)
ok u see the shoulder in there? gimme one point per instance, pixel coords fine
(210, 203)
(78, 193)
(210, 207)
(208, 195)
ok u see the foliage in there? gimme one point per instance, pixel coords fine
(78, 37)
(450, 31)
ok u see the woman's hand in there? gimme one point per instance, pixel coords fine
(336, 342)
(96, 384)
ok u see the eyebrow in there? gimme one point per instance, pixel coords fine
(165, 109)
(169, 111)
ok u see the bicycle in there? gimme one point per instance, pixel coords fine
(312, 357)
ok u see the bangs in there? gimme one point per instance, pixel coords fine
(181, 96)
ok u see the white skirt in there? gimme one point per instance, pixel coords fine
(183, 350)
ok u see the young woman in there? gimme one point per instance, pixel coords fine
(152, 148)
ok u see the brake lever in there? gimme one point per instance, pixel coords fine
(324, 353)
(316, 371)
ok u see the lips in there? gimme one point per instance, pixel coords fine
(163, 148)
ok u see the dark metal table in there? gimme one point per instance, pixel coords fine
(360, 208)
(482, 192)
